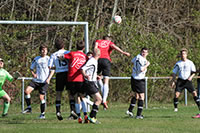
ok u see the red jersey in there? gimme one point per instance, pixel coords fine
(106, 48)
(76, 60)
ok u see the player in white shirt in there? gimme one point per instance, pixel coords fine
(140, 65)
(89, 71)
(61, 69)
(40, 80)
(185, 69)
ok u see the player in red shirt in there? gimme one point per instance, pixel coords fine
(75, 78)
(104, 64)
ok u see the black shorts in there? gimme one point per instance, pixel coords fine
(76, 87)
(184, 84)
(90, 87)
(138, 86)
(61, 81)
(41, 87)
(104, 66)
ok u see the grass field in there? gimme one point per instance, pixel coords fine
(159, 118)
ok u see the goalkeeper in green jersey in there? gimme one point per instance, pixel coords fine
(4, 75)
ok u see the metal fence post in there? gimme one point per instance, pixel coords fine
(185, 97)
(22, 94)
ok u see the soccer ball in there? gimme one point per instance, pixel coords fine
(117, 19)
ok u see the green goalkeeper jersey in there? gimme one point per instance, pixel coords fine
(3, 76)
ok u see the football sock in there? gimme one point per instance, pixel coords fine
(28, 100)
(77, 107)
(105, 92)
(84, 108)
(42, 106)
(72, 105)
(197, 101)
(94, 111)
(58, 103)
(140, 107)
(132, 105)
(100, 84)
(5, 107)
(175, 102)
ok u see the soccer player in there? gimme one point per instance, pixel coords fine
(89, 71)
(185, 69)
(75, 78)
(140, 64)
(41, 80)
(106, 47)
(61, 69)
(4, 75)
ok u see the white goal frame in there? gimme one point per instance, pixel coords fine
(85, 24)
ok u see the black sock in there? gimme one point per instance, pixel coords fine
(58, 103)
(94, 111)
(28, 101)
(175, 102)
(140, 107)
(132, 105)
(72, 105)
(197, 101)
(42, 107)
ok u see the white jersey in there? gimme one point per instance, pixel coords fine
(184, 69)
(60, 65)
(91, 69)
(138, 63)
(42, 70)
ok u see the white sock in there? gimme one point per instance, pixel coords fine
(87, 100)
(100, 85)
(84, 108)
(105, 92)
(77, 107)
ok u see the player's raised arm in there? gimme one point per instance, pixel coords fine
(120, 50)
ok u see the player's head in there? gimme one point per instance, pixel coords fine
(107, 38)
(43, 50)
(1, 63)
(183, 53)
(89, 54)
(144, 52)
(80, 45)
(59, 44)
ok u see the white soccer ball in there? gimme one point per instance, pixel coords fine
(117, 19)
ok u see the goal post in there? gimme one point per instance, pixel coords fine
(85, 24)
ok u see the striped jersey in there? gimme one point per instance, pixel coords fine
(40, 64)
(184, 69)
(138, 63)
(60, 65)
(91, 69)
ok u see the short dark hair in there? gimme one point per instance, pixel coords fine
(80, 45)
(107, 37)
(43, 46)
(144, 48)
(184, 49)
(59, 44)
(88, 53)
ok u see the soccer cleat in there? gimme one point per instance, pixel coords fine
(196, 116)
(27, 110)
(59, 116)
(94, 120)
(105, 105)
(80, 120)
(70, 117)
(139, 117)
(129, 113)
(4, 115)
(86, 119)
(175, 109)
(42, 116)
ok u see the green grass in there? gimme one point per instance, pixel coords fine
(159, 118)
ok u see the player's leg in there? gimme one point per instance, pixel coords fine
(58, 105)
(7, 100)
(105, 92)
(42, 106)
(28, 91)
(180, 85)
(196, 99)
(140, 106)
(77, 107)
(177, 94)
